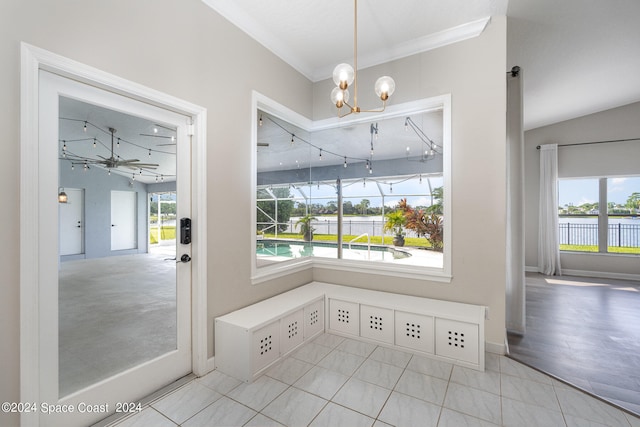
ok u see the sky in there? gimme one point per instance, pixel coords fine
(580, 191)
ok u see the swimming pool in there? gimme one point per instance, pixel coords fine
(298, 249)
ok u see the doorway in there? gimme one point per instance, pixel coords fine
(42, 338)
(72, 222)
(123, 220)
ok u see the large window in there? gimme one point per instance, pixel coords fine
(369, 194)
(585, 227)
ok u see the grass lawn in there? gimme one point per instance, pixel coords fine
(594, 248)
(168, 232)
(416, 242)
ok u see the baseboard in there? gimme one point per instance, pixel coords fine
(495, 348)
(601, 274)
(587, 273)
(211, 364)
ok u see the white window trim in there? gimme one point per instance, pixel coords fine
(265, 273)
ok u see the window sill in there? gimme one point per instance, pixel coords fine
(408, 272)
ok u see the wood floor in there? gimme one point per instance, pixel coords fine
(586, 332)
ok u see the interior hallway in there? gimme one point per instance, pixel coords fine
(585, 331)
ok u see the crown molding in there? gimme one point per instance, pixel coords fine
(254, 29)
(412, 47)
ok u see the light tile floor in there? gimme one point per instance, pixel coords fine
(335, 382)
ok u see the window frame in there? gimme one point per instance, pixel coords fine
(603, 224)
(280, 269)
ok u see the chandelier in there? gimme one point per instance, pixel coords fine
(344, 75)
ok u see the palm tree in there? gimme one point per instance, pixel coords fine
(305, 227)
(395, 222)
(364, 205)
(436, 198)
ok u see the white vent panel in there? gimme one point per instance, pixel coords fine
(266, 345)
(457, 340)
(313, 319)
(414, 331)
(291, 331)
(376, 323)
(344, 317)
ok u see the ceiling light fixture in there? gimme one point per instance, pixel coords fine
(344, 75)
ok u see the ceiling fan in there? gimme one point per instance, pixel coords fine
(114, 162)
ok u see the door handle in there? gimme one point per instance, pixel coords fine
(184, 258)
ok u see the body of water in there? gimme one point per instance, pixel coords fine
(623, 231)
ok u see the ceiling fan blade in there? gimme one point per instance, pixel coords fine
(146, 165)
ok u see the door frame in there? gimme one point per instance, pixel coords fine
(71, 192)
(34, 59)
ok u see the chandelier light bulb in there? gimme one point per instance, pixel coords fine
(384, 87)
(343, 75)
(339, 96)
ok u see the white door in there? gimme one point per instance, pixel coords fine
(115, 294)
(123, 220)
(72, 222)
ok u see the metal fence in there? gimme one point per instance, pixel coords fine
(621, 235)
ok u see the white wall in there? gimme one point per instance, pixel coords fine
(588, 160)
(182, 48)
(97, 209)
(474, 72)
(186, 50)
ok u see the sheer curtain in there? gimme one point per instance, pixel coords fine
(548, 248)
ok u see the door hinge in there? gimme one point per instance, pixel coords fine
(190, 130)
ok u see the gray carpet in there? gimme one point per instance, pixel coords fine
(114, 313)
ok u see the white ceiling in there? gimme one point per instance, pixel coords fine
(140, 139)
(577, 56)
(393, 140)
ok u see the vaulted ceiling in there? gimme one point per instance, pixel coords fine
(578, 56)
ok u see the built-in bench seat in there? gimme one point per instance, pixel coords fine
(250, 340)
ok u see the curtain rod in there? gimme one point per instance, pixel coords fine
(594, 142)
